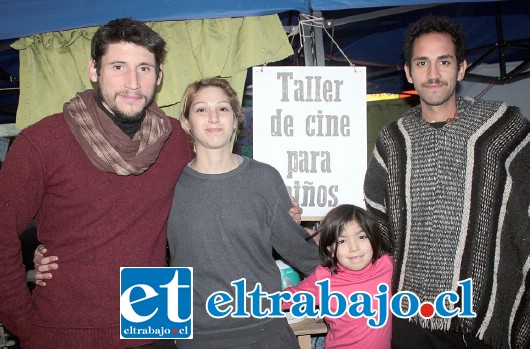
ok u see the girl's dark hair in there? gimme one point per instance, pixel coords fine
(127, 30)
(433, 24)
(333, 224)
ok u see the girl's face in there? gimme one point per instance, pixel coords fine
(354, 250)
(211, 119)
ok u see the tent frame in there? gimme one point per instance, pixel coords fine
(313, 45)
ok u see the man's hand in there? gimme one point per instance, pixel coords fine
(43, 265)
(296, 211)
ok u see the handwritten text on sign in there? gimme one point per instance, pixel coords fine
(310, 124)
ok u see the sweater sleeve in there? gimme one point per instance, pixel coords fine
(375, 189)
(21, 191)
(289, 238)
(517, 250)
(306, 285)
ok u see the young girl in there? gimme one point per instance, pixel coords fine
(353, 259)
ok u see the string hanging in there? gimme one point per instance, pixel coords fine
(318, 22)
(309, 21)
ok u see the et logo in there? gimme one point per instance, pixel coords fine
(156, 303)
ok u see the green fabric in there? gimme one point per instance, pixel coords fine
(53, 66)
(380, 113)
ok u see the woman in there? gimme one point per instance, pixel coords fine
(228, 214)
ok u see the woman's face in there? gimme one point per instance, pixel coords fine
(211, 119)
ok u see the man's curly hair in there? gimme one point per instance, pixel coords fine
(433, 24)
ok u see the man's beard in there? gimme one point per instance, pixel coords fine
(127, 118)
(438, 100)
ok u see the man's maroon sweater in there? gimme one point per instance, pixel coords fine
(96, 222)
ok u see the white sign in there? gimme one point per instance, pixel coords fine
(310, 124)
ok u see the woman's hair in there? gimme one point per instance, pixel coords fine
(195, 87)
(433, 24)
(335, 222)
(127, 30)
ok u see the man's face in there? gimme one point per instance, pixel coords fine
(434, 69)
(211, 119)
(127, 80)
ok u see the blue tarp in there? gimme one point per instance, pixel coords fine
(374, 36)
(497, 32)
(23, 18)
(27, 17)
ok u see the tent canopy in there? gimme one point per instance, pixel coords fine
(24, 18)
(497, 32)
(368, 32)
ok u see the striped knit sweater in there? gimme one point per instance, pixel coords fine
(454, 203)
